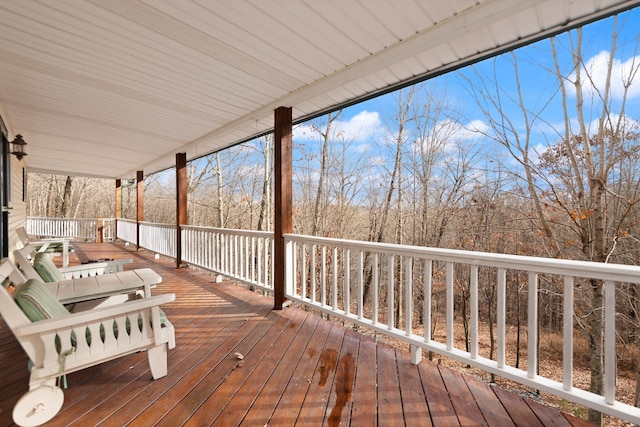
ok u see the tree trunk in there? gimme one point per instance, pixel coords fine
(66, 198)
(265, 201)
(319, 213)
(219, 212)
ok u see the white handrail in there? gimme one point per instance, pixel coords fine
(340, 276)
(159, 238)
(126, 230)
(80, 228)
(393, 268)
(243, 255)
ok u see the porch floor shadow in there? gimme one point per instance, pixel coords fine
(238, 362)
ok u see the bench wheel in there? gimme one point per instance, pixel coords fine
(38, 406)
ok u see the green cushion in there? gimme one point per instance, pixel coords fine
(37, 302)
(55, 247)
(46, 269)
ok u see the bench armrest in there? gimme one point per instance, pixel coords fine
(102, 313)
(91, 269)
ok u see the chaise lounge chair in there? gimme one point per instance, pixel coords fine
(29, 254)
(90, 291)
(56, 245)
(58, 342)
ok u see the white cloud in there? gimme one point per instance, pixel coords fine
(377, 161)
(452, 130)
(624, 123)
(447, 134)
(472, 130)
(249, 170)
(360, 127)
(363, 148)
(535, 152)
(594, 76)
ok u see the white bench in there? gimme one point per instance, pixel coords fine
(28, 253)
(66, 342)
(91, 286)
(61, 244)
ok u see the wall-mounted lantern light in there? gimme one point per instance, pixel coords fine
(18, 147)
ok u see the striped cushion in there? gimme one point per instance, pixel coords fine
(54, 247)
(46, 268)
(37, 302)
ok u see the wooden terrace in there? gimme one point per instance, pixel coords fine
(238, 362)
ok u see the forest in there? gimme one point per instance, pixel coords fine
(535, 152)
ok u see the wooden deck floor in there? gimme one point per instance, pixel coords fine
(297, 370)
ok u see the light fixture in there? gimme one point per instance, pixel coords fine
(18, 147)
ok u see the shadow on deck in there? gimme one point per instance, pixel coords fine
(238, 362)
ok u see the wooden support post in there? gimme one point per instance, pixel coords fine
(100, 230)
(181, 202)
(283, 199)
(139, 205)
(118, 206)
(118, 198)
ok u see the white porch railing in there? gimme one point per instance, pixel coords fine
(158, 238)
(239, 254)
(242, 255)
(127, 231)
(335, 276)
(155, 237)
(344, 269)
(81, 228)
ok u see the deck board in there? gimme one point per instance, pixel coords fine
(291, 400)
(298, 369)
(269, 396)
(339, 408)
(414, 402)
(441, 410)
(520, 412)
(488, 403)
(318, 393)
(363, 398)
(389, 398)
(254, 371)
(463, 401)
(212, 371)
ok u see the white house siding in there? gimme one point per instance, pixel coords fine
(18, 211)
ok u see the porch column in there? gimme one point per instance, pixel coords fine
(118, 198)
(139, 204)
(118, 206)
(283, 199)
(181, 202)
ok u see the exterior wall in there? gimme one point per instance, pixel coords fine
(17, 201)
(16, 196)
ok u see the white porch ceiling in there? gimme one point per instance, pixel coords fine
(106, 88)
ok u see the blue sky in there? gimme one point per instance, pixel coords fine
(367, 125)
(364, 120)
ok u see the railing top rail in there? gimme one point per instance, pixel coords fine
(47, 218)
(254, 233)
(588, 269)
(126, 220)
(157, 224)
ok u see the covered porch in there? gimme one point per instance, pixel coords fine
(127, 89)
(238, 362)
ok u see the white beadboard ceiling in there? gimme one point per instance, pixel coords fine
(109, 87)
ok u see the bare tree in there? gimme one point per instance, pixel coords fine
(266, 197)
(571, 184)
